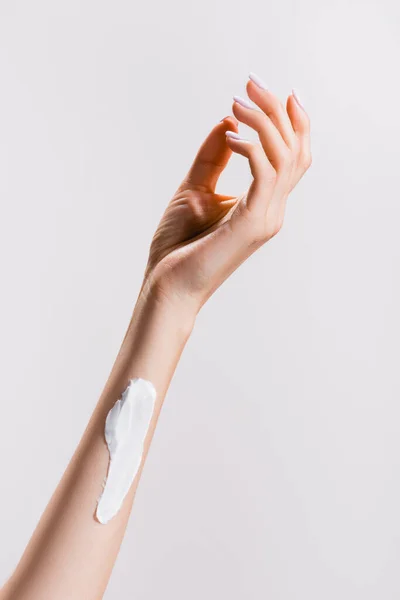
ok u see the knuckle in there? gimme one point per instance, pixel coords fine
(307, 121)
(274, 105)
(286, 158)
(295, 145)
(254, 157)
(254, 151)
(271, 173)
(263, 121)
(257, 153)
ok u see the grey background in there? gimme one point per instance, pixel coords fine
(274, 471)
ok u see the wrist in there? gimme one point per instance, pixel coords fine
(154, 340)
(171, 314)
(179, 310)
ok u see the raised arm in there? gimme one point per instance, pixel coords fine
(201, 239)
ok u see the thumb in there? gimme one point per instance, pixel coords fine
(212, 157)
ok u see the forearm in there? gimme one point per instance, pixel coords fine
(71, 554)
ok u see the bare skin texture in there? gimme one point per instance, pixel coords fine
(201, 239)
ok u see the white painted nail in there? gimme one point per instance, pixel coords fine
(297, 98)
(258, 81)
(235, 136)
(243, 102)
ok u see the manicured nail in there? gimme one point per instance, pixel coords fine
(297, 98)
(235, 136)
(242, 102)
(258, 81)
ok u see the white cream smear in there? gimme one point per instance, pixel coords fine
(126, 427)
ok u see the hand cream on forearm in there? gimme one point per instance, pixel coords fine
(126, 427)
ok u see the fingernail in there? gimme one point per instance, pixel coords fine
(224, 118)
(297, 98)
(242, 102)
(235, 136)
(258, 81)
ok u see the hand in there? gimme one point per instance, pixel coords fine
(203, 236)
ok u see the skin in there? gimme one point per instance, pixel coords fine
(202, 238)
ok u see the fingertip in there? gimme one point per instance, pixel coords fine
(294, 100)
(231, 139)
(237, 110)
(297, 113)
(233, 135)
(297, 99)
(230, 122)
(291, 105)
(253, 89)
